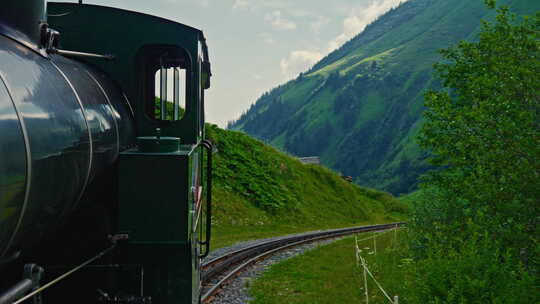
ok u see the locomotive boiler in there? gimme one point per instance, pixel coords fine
(102, 155)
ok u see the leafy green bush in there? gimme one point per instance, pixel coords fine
(475, 232)
(477, 270)
(485, 128)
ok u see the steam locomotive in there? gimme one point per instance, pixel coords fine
(105, 174)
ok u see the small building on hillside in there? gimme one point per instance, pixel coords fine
(310, 160)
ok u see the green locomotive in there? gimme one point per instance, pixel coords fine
(93, 164)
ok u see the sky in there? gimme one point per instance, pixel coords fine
(256, 45)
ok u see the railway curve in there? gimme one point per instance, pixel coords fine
(226, 266)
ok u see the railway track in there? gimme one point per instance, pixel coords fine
(227, 266)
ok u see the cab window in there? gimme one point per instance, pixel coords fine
(167, 69)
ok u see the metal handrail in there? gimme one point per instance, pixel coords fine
(209, 147)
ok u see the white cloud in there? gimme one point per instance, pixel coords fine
(359, 18)
(240, 4)
(278, 22)
(299, 61)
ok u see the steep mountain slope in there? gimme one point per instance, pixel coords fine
(360, 107)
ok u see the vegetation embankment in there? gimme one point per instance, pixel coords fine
(261, 192)
(474, 233)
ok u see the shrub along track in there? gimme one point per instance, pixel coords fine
(225, 267)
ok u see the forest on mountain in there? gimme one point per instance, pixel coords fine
(360, 108)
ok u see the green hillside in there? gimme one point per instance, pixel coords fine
(261, 192)
(360, 108)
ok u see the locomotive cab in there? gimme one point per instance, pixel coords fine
(101, 137)
(141, 45)
(160, 211)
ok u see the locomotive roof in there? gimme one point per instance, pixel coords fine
(74, 6)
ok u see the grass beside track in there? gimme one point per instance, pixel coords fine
(237, 220)
(329, 274)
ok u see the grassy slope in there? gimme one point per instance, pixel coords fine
(261, 192)
(360, 107)
(412, 197)
(329, 274)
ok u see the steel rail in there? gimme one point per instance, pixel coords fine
(242, 258)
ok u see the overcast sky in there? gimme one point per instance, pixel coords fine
(258, 44)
